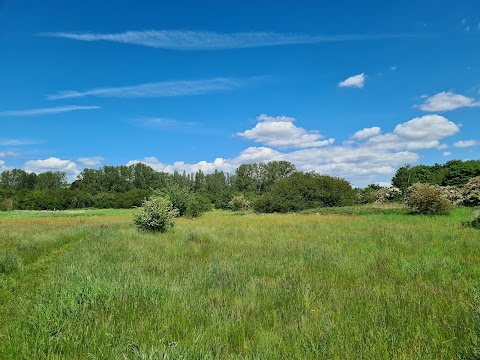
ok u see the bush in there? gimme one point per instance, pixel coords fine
(475, 223)
(428, 199)
(301, 191)
(156, 214)
(471, 194)
(238, 203)
(197, 205)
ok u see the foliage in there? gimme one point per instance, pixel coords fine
(452, 173)
(302, 191)
(428, 199)
(156, 214)
(471, 193)
(239, 203)
(371, 194)
(180, 197)
(259, 178)
(475, 222)
(197, 205)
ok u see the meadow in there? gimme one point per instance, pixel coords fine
(350, 283)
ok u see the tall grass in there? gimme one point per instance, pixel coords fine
(257, 286)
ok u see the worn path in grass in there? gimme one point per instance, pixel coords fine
(382, 285)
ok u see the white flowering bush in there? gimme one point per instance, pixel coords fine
(428, 199)
(238, 203)
(156, 214)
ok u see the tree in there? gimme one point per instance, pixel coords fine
(51, 180)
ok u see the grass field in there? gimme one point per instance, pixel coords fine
(333, 284)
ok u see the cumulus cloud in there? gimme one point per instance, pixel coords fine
(356, 81)
(446, 153)
(281, 132)
(366, 133)
(2, 166)
(466, 143)
(372, 158)
(90, 161)
(447, 101)
(52, 164)
(419, 133)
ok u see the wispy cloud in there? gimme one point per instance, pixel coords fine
(9, 154)
(159, 89)
(46, 111)
(177, 125)
(18, 142)
(208, 40)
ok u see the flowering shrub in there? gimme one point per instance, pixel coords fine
(156, 214)
(428, 199)
(238, 203)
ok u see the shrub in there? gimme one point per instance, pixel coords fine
(471, 194)
(301, 191)
(475, 222)
(428, 199)
(156, 214)
(8, 263)
(238, 203)
(197, 205)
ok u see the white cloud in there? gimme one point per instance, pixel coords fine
(159, 89)
(90, 161)
(281, 118)
(372, 158)
(447, 153)
(281, 132)
(53, 164)
(446, 101)
(366, 133)
(428, 127)
(419, 133)
(2, 166)
(9, 154)
(356, 81)
(466, 143)
(208, 40)
(46, 111)
(18, 142)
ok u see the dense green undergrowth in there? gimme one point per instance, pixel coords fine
(378, 283)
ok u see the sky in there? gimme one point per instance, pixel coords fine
(354, 89)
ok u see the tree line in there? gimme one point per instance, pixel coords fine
(452, 173)
(127, 186)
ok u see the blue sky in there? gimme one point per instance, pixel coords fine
(348, 88)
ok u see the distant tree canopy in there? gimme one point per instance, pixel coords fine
(127, 186)
(454, 172)
(17, 179)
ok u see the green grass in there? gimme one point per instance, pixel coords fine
(366, 285)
